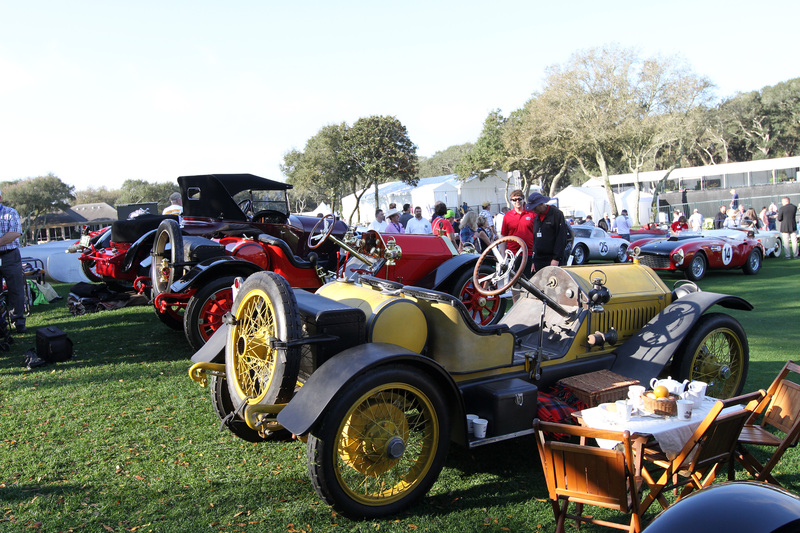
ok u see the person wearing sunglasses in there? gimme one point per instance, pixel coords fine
(519, 222)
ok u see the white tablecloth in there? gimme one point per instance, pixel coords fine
(670, 433)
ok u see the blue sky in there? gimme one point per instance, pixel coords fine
(97, 92)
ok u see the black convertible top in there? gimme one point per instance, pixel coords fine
(211, 195)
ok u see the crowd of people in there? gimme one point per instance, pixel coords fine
(737, 215)
(541, 226)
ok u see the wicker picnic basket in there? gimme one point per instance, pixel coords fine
(660, 406)
(599, 387)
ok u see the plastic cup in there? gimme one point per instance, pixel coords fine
(479, 427)
(685, 409)
(471, 423)
(623, 410)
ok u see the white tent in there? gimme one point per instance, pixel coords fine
(492, 189)
(627, 200)
(582, 201)
(427, 195)
(321, 208)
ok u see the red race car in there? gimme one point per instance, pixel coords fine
(695, 254)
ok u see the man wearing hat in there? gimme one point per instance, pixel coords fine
(393, 222)
(11, 264)
(485, 213)
(549, 232)
(519, 222)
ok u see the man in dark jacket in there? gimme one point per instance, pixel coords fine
(549, 232)
(719, 219)
(787, 225)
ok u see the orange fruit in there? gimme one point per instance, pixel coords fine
(661, 391)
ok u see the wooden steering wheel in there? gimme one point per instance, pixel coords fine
(504, 267)
(323, 236)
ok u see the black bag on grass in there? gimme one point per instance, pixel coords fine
(53, 345)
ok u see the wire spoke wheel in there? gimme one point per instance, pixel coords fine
(259, 367)
(383, 444)
(717, 353)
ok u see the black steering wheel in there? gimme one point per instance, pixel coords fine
(316, 240)
(246, 206)
(504, 267)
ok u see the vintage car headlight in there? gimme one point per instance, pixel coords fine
(677, 256)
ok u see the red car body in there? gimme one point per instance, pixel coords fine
(694, 255)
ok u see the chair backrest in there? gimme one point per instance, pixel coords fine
(783, 411)
(588, 474)
(714, 441)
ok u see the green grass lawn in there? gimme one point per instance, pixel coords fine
(120, 439)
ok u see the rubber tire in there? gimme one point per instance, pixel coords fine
(197, 306)
(323, 455)
(221, 402)
(581, 255)
(778, 249)
(168, 233)
(754, 262)
(687, 361)
(282, 365)
(622, 254)
(690, 273)
(466, 279)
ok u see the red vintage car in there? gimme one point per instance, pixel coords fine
(695, 254)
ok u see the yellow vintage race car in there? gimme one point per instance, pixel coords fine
(378, 377)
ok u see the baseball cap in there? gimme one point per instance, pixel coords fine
(450, 214)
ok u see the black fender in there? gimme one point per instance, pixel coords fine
(213, 268)
(213, 351)
(443, 276)
(130, 256)
(305, 410)
(644, 355)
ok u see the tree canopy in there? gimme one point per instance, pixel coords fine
(35, 198)
(342, 159)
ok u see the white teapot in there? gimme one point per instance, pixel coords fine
(673, 386)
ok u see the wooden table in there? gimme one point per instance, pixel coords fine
(670, 434)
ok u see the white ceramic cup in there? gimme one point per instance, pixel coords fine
(698, 388)
(479, 427)
(471, 423)
(685, 409)
(623, 410)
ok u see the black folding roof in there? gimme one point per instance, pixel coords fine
(216, 193)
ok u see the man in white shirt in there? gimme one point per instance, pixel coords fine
(419, 225)
(379, 224)
(623, 225)
(175, 206)
(498, 220)
(696, 221)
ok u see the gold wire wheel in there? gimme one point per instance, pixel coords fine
(719, 361)
(387, 443)
(254, 362)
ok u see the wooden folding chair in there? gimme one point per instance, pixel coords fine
(782, 405)
(588, 475)
(711, 445)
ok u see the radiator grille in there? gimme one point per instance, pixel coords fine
(654, 261)
(627, 321)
